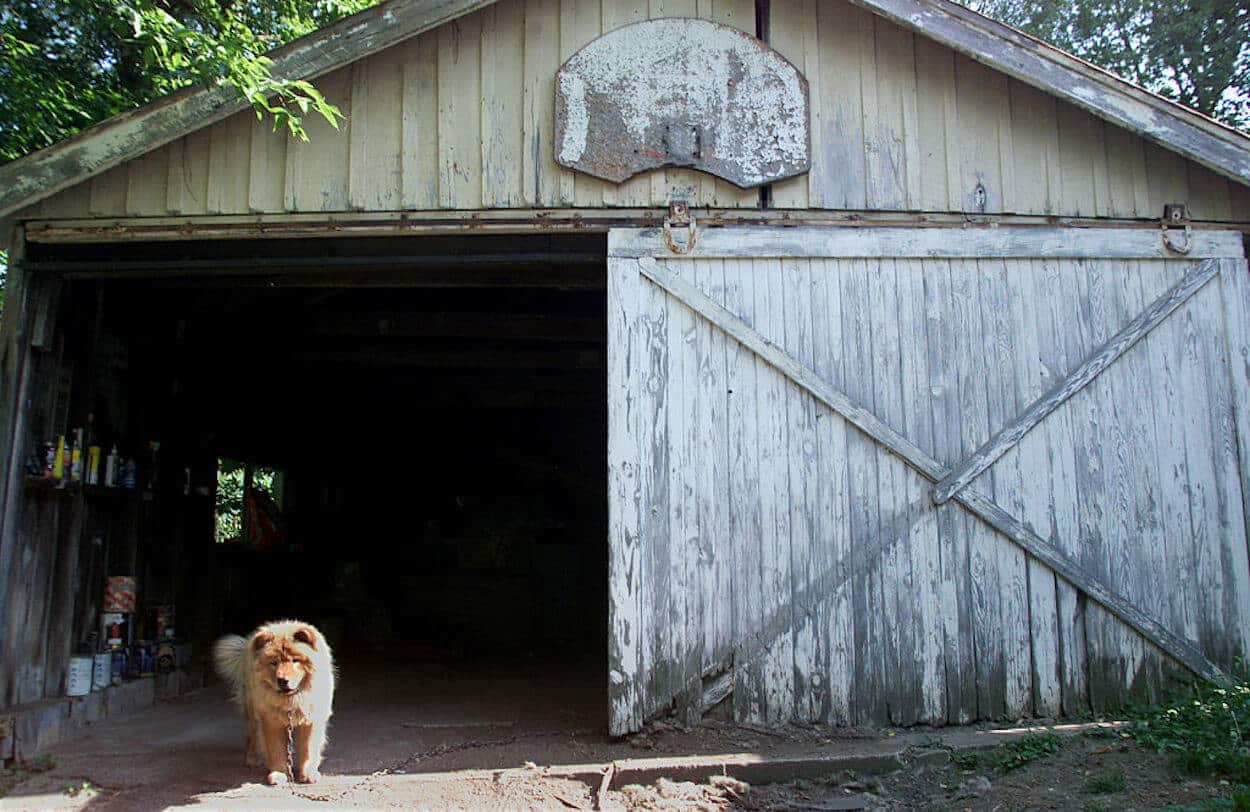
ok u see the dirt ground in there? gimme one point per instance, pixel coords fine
(534, 737)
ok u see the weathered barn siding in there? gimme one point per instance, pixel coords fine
(751, 524)
(461, 118)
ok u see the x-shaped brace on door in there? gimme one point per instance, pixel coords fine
(952, 483)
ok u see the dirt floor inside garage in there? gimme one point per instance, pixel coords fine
(518, 735)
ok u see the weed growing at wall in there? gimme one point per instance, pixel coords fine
(1204, 735)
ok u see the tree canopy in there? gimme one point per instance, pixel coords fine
(66, 64)
(1196, 52)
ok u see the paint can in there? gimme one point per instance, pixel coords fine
(147, 658)
(164, 621)
(119, 594)
(166, 659)
(101, 671)
(113, 625)
(78, 677)
(121, 662)
(134, 661)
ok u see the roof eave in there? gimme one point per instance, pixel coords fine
(1201, 139)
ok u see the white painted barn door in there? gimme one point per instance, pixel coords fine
(782, 403)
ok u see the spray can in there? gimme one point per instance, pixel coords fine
(58, 464)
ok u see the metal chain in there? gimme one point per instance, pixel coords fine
(404, 764)
(290, 745)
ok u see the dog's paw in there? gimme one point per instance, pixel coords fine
(276, 778)
(310, 776)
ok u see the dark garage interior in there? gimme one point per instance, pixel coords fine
(402, 440)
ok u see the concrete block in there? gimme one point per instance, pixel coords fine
(932, 758)
(175, 683)
(7, 726)
(752, 769)
(39, 725)
(130, 696)
(33, 727)
(89, 708)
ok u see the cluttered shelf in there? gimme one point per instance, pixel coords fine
(65, 487)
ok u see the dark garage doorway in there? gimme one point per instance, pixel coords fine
(427, 416)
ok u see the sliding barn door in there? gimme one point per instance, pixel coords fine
(923, 475)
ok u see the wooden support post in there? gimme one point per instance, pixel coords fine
(14, 382)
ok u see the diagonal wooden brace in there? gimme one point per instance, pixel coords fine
(986, 509)
(1100, 359)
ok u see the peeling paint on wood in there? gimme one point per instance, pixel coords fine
(686, 93)
(886, 607)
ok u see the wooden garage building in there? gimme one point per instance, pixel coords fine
(931, 416)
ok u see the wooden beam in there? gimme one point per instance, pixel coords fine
(717, 689)
(1097, 91)
(929, 243)
(556, 278)
(1182, 650)
(129, 135)
(14, 385)
(463, 325)
(468, 359)
(44, 307)
(1100, 359)
(428, 222)
(248, 266)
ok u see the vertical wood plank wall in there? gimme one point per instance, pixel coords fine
(847, 596)
(462, 118)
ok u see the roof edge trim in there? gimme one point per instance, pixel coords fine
(1191, 134)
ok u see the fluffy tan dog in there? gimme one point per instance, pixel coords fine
(282, 676)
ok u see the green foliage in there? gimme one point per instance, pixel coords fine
(1026, 750)
(968, 760)
(1106, 784)
(219, 45)
(63, 66)
(229, 509)
(1196, 52)
(1009, 756)
(66, 64)
(1204, 735)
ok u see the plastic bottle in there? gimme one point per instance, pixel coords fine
(75, 457)
(110, 468)
(93, 465)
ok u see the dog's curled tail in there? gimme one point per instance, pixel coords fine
(230, 662)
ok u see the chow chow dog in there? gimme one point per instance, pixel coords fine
(282, 676)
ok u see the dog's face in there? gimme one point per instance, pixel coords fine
(284, 663)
